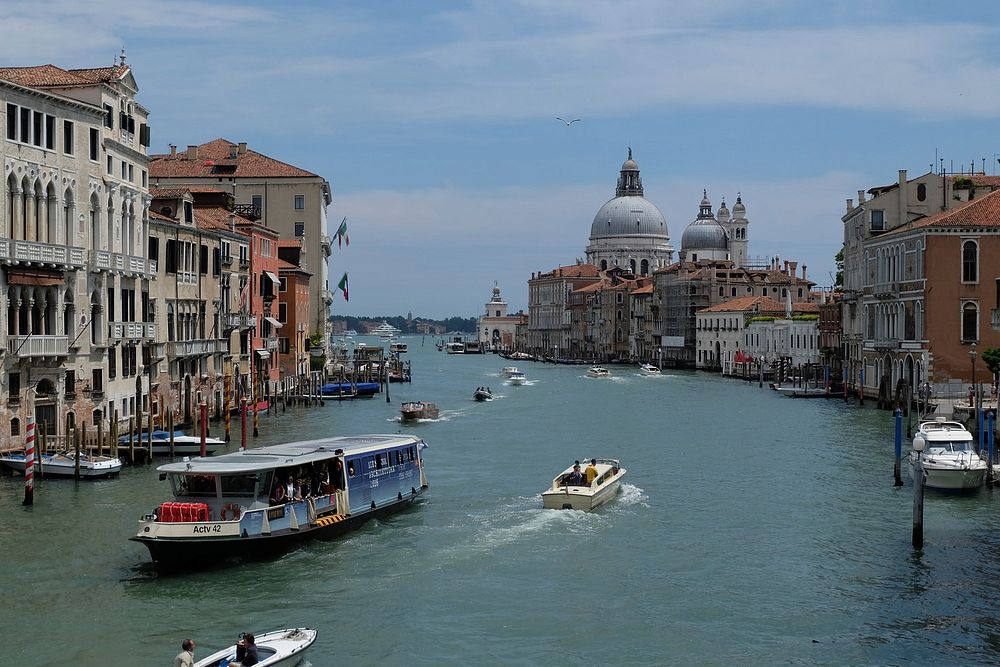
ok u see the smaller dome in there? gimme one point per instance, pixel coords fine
(704, 234)
(723, 215)
(739, 210)
(630, 165)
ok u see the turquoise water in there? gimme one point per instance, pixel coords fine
(752, 529)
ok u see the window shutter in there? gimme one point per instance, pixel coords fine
(123, 120)
(154, 248)
(171, 256)
(217, 256)
(203, 264)
(131, 124)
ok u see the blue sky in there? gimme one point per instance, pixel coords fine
(434, 122)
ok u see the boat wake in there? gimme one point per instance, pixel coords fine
(630, 495)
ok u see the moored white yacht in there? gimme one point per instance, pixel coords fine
(598, 372)
(63, 464)
(385, 330)
(949, 459)
(565, 495)
(507, 370)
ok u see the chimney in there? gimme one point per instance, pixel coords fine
(242, 148)
(792, 266)
(785, 270)
(232, 152)
(173, 150)
(192, 152)
(861, 197)
(902, 178)
(850, 205)
(804, 272)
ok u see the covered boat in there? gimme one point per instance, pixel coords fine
(649, 369)
(565, 493)
(334, 389)
(413, 410)
(262, 501)
(949, 459)
(279, 647)
(598, 372)
(63, 464)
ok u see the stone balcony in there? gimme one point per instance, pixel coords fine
(271, 343)
(886, 344)
(131, 331)
(131, 265)
(327, 297)
(42, 254)
(240, 321)
(197, 348)
(38, 346)
(888, 290)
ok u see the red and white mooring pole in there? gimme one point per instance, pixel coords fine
(29, 462)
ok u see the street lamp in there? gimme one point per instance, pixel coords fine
(972, 356)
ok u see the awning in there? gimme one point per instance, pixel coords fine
(264, 354)
(273, 322)
(274, 279)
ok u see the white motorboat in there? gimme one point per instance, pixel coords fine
(280, 647)
(483, 394)
(649, 369)
(563, 495)
(414, 410)
(949, 459)
(63, 464)
(184, 445)
(398, 348)
(507, 370)
(598, 372)
(516, 379)
(455, 348)
(385, 330)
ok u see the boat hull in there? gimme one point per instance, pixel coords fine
(282, 647)
(952, 479)
(47, 468)
(187, 554)
(579, 497)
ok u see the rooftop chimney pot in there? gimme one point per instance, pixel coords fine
(173, 150)
(192, 152)
(242, 148)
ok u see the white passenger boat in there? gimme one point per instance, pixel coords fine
(280, 647)
(398, 348)
(563, 495)
(234, 505)
(385, 330)
(598, 372)
(949, 459)
(649, 369)
(63, 464)
(455, 347)
(507, 370)
(414, 410)
(516, 379)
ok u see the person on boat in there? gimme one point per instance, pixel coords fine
(575, 478)
(338, 474)
(292, 491)
(186, 657)
(278, 494)
(591, 471)
(250, 656)
(322, 480)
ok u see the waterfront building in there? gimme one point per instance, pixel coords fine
(293, 314)
(830, 330)
(684, 288)
(888, 344)
(548, 327)
(290, 201)
(192, 299)
(783, 344)
(497, 329)
(645, 319)
(74, 279)
(629, 231)
(601, 316)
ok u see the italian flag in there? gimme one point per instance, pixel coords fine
(342, 285)
(342, 234)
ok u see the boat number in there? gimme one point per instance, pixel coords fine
(214, 528)
(374, 483)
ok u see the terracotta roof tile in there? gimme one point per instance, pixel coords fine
(216, 217)
(153, 215)
(645, 289)
(167, 193)
(217, 153)
(743, 304)
(42, 76)
(101, 74)
(980, 212)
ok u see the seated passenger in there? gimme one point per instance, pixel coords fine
(292, 492)
(277, 494)
(575, 478)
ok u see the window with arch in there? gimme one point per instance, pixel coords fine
(970, 322)
(97, 417)
(921, 192)
(733, 292)
(604, 265)
(644, 267)
(15, 427)
(970, 262)
(619, 337)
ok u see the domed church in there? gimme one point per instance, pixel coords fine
(629, 231)
(715, 238)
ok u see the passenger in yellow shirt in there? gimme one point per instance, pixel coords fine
(591, 471)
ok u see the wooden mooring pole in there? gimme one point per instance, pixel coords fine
(918, 493)
(29, 461)
(897, 473)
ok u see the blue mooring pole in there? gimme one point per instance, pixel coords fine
(980, 426)
(899, 449)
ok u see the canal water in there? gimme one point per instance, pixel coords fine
(752, 529)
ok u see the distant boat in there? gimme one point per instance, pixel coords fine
(483, 394)
(385, 330)
(398, 348)
(563, 495)
(598, 372)
(183, 444)
(516, 379)
(414, 410)
(508, 371)
(350, 332)
(649, 369)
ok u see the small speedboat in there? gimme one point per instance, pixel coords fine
(483, 394)
(280, 647)
(415, 410)
(649, 369)
(598, 372)
(949, 459)
(508, 370)
(565, 495)
(516, 379)
(63, 464)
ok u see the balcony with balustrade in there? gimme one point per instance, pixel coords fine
(51, 255)
(271, 344)
(248, 211)
(240, 321)
(131, 265)
(197, 348)
(34, 346)
(131, 332)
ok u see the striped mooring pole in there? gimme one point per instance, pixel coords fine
(29, 462)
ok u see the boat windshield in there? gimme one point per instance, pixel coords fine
(949, 446)
(189, 485)
(245, 485)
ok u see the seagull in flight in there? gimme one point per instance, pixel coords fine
(568, 122)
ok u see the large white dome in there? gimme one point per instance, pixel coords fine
(629, 216)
